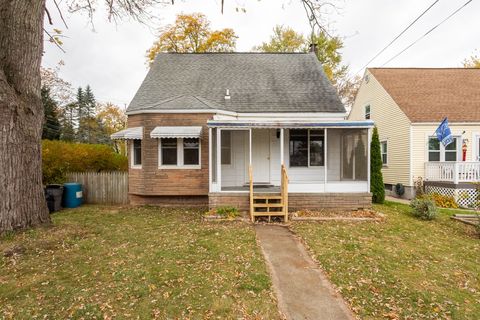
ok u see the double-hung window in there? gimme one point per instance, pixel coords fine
(367, 112)
(179, 153)
(384, 152)
(169, 152)
(136, 154)
(307, 148)
(437, 152)
(191, 152)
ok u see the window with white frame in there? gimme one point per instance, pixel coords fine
(367, 112)
(307, 148)
(437, 152)
(179, 152)
(191, 152)
(226, 147)
(384, 152)
(136, 154)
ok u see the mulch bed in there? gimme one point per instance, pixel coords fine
(328, 215)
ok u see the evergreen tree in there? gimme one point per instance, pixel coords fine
(89, 102)
(68, 118)
(86, 119)
(376, 179)
(51, 124)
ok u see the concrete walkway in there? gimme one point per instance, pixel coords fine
(302, 290)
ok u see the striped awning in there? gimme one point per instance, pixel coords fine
(135, 133)
(176, 132)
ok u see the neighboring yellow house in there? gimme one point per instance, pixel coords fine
(407, 105)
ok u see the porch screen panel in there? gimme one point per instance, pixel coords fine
(354, 155)
(214, 155)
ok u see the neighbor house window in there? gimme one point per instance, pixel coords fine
(137, 153)
(367, 112)
(433, 149)
(226, 147)
(307, 148)
(437, 152)
(179, 152)
(384, 151)
(451, 151)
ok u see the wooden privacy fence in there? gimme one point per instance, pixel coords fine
(102, 187)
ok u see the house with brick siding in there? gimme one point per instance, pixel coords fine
(264, 132)
(407, 106)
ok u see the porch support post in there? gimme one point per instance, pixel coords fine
(325, 154)
(282, 161)
(209, 159)
(250, 146)
(369, 135)
(219, 159)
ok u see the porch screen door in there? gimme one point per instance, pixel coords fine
(261, 155)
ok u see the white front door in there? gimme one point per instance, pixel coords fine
(261, 155)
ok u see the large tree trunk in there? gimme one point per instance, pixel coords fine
(22, 202)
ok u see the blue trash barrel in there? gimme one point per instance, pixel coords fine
(72, 195)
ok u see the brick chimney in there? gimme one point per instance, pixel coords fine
(313, 48)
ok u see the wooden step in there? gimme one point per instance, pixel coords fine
(266, 214)
(275, 197)
(267, 205)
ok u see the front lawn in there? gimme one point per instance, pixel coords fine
(104, 263)
(402, 268)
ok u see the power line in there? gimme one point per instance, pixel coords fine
(399, 35)
(428, 32)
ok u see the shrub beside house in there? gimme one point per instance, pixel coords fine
(60, 157)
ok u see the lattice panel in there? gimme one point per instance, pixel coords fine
(464, 197)
(467, 198)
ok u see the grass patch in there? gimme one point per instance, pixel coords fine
(403, 268)
(99, 262)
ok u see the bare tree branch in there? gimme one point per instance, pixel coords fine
(313, 9)
(60, 13)
(48, 16)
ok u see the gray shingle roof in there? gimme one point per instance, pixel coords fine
(258, 82)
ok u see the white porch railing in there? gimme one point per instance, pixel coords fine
(452, 171)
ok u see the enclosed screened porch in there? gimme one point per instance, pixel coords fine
(317, 159)
(282, 158)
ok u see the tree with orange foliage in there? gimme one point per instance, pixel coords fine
(192, 33)
(472, 62)
(113, 119)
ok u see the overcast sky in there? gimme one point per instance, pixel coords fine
(111, 58)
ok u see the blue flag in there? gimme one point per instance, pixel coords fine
(443, 133)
